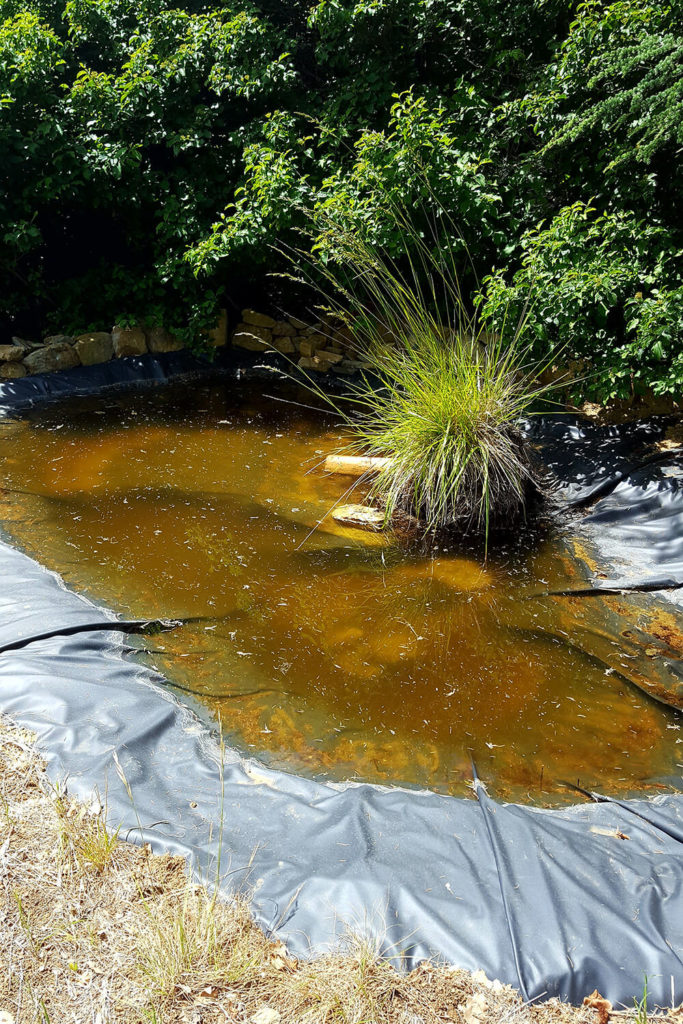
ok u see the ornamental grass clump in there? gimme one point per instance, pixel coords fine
(440, 399)
(446, 412)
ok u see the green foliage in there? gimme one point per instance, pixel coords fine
(599, 287)
(640, 1006)
(300, 165)
(153, 151)
(619, 78)
(120, 126)
(442, 399)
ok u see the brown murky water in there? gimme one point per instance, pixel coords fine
(335, 651)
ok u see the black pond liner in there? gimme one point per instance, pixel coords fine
(550, 901)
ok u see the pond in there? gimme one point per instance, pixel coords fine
(323, 649)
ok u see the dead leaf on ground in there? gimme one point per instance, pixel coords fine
(475, 1010)
(209, 992)
(266, 1015)
(614, 833)
(603, 1006)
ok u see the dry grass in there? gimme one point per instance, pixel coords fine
(97, 931)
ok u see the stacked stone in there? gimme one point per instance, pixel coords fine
(319, 346)
(62, 352)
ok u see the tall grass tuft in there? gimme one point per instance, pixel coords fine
(441, 398)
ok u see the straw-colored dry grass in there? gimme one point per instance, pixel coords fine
(97, 931)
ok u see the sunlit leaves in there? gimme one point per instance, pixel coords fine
(600, 288)
(150, 148)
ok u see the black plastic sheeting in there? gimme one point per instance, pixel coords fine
(637, 527)
(634, 532)
(550, 901)
(90, 380)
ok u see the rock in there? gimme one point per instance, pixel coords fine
(252, 337)
(161, 340)
(344, 337)
(321, 361)
(298, 325)
(364, 516)
(311, 344)
(28, 346)
(284, 345)
(318, 339)
(11, 371)
(315, 329)
(326, 356)
(266, 1015)
(354, 364)
(94, 348)
(673, 438)
(283, 329)
(218, 335)
(55, 340)
(591, 409)
(128, 341)
(11, 353)
(53, 357)
(311, 363)
(250, 316)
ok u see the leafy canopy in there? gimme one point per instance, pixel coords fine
(153, 151)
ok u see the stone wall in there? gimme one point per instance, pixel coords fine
(324, 346)
(62, 351)
(319, 346)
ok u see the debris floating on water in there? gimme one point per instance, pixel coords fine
(354, 465)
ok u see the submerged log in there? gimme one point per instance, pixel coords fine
(355, 465)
